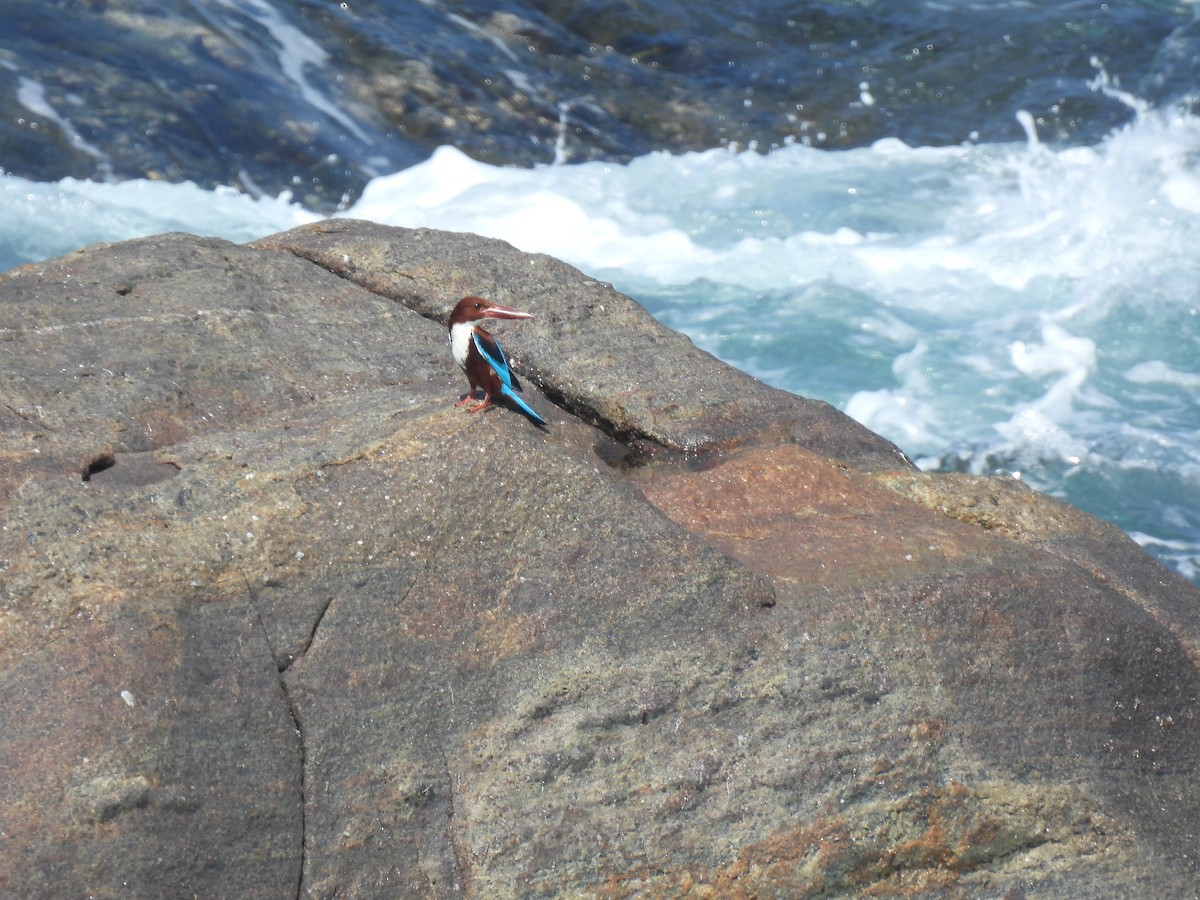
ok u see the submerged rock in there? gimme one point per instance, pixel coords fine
(277, 617)
(317, 99)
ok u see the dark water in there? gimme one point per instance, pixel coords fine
(318, 97)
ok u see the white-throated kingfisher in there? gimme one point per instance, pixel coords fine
(481, 357)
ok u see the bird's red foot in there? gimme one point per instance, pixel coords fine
(481, 404)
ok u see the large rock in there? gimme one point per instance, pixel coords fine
(278, 618)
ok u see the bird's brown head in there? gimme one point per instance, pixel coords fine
(472, 309)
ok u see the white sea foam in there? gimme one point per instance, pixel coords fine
(1179, 555)
(1155, 371)
(41, 220)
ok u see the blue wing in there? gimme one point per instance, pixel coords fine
(490, 350)
(493, 355)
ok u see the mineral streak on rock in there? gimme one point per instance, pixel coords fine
(719, 642)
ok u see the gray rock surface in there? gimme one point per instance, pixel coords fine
(277, 619)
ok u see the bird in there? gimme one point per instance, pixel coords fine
(480, 356)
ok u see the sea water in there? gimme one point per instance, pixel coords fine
(1009, 309)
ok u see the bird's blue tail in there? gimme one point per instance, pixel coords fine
(521, 404)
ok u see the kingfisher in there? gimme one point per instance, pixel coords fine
(481, 357)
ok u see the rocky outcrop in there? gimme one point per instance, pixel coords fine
(278, 619)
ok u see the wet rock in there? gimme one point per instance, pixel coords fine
(276, 617)
(317, 99)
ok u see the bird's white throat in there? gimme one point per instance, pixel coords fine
(460, 342)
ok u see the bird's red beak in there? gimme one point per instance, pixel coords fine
(505, 312)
